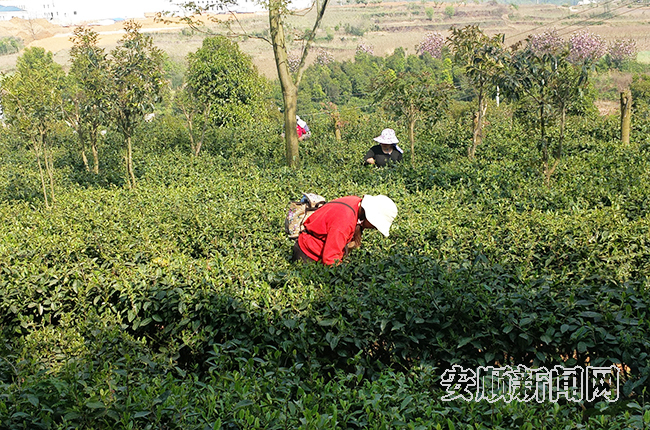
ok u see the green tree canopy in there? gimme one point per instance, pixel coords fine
(220, 74)
(552, 83)
(482, 58)
(411, 96)
(86, 103)
(31, 101)
(137, 71)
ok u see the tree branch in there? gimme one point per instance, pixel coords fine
(320, 12)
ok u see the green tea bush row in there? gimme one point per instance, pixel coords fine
(144, 307)
(108, 389)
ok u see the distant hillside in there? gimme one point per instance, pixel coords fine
(384, 26)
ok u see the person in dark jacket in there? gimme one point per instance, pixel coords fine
(387, 151)
(337, 226)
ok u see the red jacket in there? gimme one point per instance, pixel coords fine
(329, 229)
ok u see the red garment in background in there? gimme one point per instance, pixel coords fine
(329, 229)
(300, 130)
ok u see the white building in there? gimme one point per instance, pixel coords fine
(34, 9)
(9, 12)
(75, 11)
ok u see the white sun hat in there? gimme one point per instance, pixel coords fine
(387, 137)
(380, 212)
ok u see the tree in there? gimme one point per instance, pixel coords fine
(335, 118)
(482, 58)
(410, 96)
(137, 72)
(197, 116)
(621, 51)
(289, 80)
(552, 82)
(86, 103)
(397, 61)
(586, 47)
(640, 93)
(222, 86)
(31, 101)
(626, 116)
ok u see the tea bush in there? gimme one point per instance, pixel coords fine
(174, 305)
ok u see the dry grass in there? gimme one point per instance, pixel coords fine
(643, 57)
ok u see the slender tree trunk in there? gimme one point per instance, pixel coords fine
(130, 176)
(206, 117)
(335, 116)
(542, 124)
(131, 163)
(49, 164)
(75, 121)
(289, 89)
(477, 135)
(41, 174)
(557, 154)
(190, 131)
(85, 159)
(542, 133)
(626, 116)
(93, 146)
(81, 136)
(412, 139)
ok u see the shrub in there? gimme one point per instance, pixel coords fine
(449, 11)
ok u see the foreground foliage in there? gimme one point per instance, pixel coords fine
(174, 305)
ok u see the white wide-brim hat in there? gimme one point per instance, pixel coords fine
(380, 212)
(300, 121)
(387, 137)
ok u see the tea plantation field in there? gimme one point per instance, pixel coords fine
(174, 305)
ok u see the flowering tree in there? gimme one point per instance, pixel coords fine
(323, 57)
(548, 42)
(364, 48)
(293, 60)
(621, 50)
(586, 47)
(433, 43)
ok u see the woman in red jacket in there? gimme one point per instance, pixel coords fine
(337, 226)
